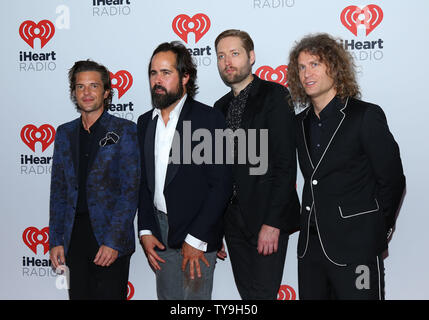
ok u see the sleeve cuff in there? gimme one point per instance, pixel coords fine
(196, 243)
(145, 233)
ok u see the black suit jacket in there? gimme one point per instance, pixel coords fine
(355, 189)
(270, 198)
(196, 194)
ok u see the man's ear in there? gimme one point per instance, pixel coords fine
(106, 94)
(185, 79)
(252, 57)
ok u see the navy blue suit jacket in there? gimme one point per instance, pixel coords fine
(196, 194)
(112, 185)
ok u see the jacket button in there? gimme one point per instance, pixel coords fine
(307, 208)
(315, 182)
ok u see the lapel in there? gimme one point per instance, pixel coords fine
(305, 135)
(99, 134)
(74, 145)
(149, 151)
(184, 115)
(340, 115)
(225, 103)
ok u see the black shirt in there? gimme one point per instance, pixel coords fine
(87, 145)
(233, 120)
(321, 129)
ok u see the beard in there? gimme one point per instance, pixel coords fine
(162, 101)
(231, 79)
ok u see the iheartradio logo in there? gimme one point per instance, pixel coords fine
(370, 16)
(130, 291)
(121, 81)
(199, 24)
(33, 237)
(45, 134)
(286, 293)
(29, 30)
(278, 75)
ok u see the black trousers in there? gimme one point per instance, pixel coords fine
(257, 277)
(321, 279)
(87, 280)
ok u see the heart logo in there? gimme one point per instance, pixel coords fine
(278, 74)
(286, 293)
(45, 134)
(199, 24)
(29, 30)
(33, 237)
(121, 81)
(370, 16)
(130, 291)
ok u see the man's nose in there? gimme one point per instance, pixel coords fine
(307, 72)
(228, 60)
(157, 79)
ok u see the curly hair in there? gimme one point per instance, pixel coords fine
(89, 65)
(185, 65)
(339, 62)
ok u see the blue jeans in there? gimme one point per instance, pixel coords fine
(174, 284)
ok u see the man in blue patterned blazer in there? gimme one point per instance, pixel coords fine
(94, 190)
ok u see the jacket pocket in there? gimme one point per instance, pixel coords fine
(354, 211)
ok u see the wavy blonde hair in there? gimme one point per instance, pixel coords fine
(339, 62)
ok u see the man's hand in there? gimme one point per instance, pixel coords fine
(221, 253)
(57, 257)
(105, 256)
(268, 240)
(149, 242)
(192, 255)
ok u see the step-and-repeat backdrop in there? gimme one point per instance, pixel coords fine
(41, 39)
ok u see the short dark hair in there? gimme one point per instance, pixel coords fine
(243, 35)
(185, 65)
(89, 65)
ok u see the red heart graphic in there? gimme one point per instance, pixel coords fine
(286, 293)
(130, 291)
(372, 17)
(29, 30)
(123, 81)
(181, 26)
(33, 237)
(45, 134)
(278, 74)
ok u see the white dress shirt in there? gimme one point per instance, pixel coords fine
(163, 140)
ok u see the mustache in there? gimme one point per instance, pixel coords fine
(157, 86)
(229, 68)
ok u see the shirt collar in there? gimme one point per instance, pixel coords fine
(174, 113)
(245, 92)
(95, 125)
(328, 110)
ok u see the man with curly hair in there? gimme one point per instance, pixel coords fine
(353, 176)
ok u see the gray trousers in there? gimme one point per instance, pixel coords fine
(174, 284)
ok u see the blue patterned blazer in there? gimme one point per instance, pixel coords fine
(112, 184)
